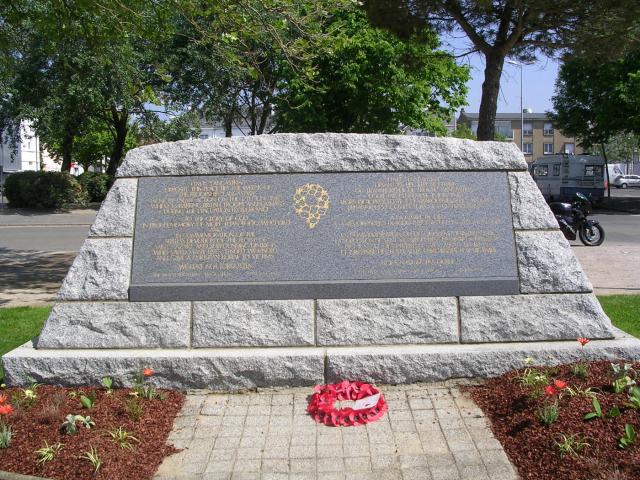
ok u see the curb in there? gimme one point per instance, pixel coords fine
(17, 476)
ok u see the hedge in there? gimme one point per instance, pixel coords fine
(43, 190)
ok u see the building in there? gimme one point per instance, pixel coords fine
(26, 154)
(541, 137)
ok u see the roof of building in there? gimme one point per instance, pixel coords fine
(508, 116)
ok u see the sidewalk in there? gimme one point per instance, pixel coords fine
(432, 431)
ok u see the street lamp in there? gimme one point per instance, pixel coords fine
(520, 64)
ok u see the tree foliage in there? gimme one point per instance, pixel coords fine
(368, 80)
(520, 29)
(595, 100)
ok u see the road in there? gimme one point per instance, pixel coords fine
(36, 250)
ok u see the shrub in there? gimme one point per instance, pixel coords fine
(43, 190)
(96, 185)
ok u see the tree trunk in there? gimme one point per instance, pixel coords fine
(67, 150)
(121, 128)
(490, 92)
(606, 170)
(228, 125)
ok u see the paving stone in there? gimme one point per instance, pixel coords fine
(331, 465)
(415, 441)
(252, 464)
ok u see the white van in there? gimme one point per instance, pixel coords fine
(560, 177)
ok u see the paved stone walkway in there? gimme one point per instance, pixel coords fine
(432, 431)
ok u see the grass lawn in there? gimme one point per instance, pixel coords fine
(624, 312)
(18, 325)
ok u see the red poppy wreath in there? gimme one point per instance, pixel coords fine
(322, 404)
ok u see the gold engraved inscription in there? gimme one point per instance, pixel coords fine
(311, 202)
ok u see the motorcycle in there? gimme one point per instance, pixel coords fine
(572, 218)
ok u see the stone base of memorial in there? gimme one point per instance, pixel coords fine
(292, 260)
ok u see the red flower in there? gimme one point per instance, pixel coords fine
(560, 384)
(3, 399)
(6, 409)
(549, 390)
(147, 372)
(583, 341)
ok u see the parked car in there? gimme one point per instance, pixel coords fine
(624, 181)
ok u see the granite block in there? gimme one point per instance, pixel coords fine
(387, 321)
(253, 323)
(116, 215)
(227, 369)
(547, 264)
(101, 271)
(530, 210)
(117, 325)
(529, 318)
(319, 152)
(428, 363)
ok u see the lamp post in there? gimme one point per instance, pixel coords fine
(520, 64)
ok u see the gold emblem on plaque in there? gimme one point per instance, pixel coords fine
(311, 202)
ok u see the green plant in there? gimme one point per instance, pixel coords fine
(623, 375)
(107, 383)
(577, 390)
(570, 444)
(535, 380)
(634, 398)
(134, 408)
(43, 190)
(597, 410)
(122, 438)
(69, 425)
(92, 457)
(5, 435)
(48, 452)
(580, 370)
(629, 437)
(88, 402)
(26, 397)
(95, 184)
(548, 413)
(144, 389)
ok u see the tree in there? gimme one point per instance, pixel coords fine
(73, 64)
(622, 147)
(225, 58)
(596, 100)
(367, 80)
(153, 129)
(463, 131)
(507, 28)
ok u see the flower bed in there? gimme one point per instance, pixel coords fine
(572, 422)
(87, 432)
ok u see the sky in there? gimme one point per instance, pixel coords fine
(538, 80)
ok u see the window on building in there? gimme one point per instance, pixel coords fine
(541, 170)
(556, 170)
(527, 148)
(569, 148)
(547, 148)
(548, 128)
(504, 128)
(204, 137)
(527, 128)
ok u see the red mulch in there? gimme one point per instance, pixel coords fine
(529, 444)
(41, 422)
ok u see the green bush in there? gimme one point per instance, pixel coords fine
(43, 190)
(96, 185)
